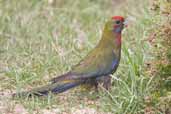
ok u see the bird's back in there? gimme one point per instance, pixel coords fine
(100, 61)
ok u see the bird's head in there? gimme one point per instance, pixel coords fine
(115, 24)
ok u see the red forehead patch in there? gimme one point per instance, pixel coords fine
(118, 18)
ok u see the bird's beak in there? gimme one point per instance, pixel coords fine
(125, 23)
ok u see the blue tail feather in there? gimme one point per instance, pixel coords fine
(65, 87)
(54, 88)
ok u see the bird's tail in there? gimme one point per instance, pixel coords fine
(53, 88)
(67, 76)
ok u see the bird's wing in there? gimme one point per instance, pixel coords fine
(97, 63)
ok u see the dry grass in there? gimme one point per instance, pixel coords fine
(40, 39)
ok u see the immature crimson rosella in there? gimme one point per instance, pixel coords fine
(102, 61)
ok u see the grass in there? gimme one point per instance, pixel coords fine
(40, 39)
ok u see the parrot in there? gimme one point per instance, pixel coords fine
(95, 67)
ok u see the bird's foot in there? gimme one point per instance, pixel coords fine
(107, 83)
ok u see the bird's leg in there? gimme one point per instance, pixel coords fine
(93, 83)
(107, 82)
(96, 85)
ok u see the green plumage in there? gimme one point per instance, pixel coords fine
(102, 61)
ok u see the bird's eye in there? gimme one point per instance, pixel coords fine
(117, 22)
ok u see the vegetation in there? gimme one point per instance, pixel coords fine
(41, 39)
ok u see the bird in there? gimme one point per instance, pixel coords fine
(96, 67)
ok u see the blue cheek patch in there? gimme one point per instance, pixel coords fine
(118, 30)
